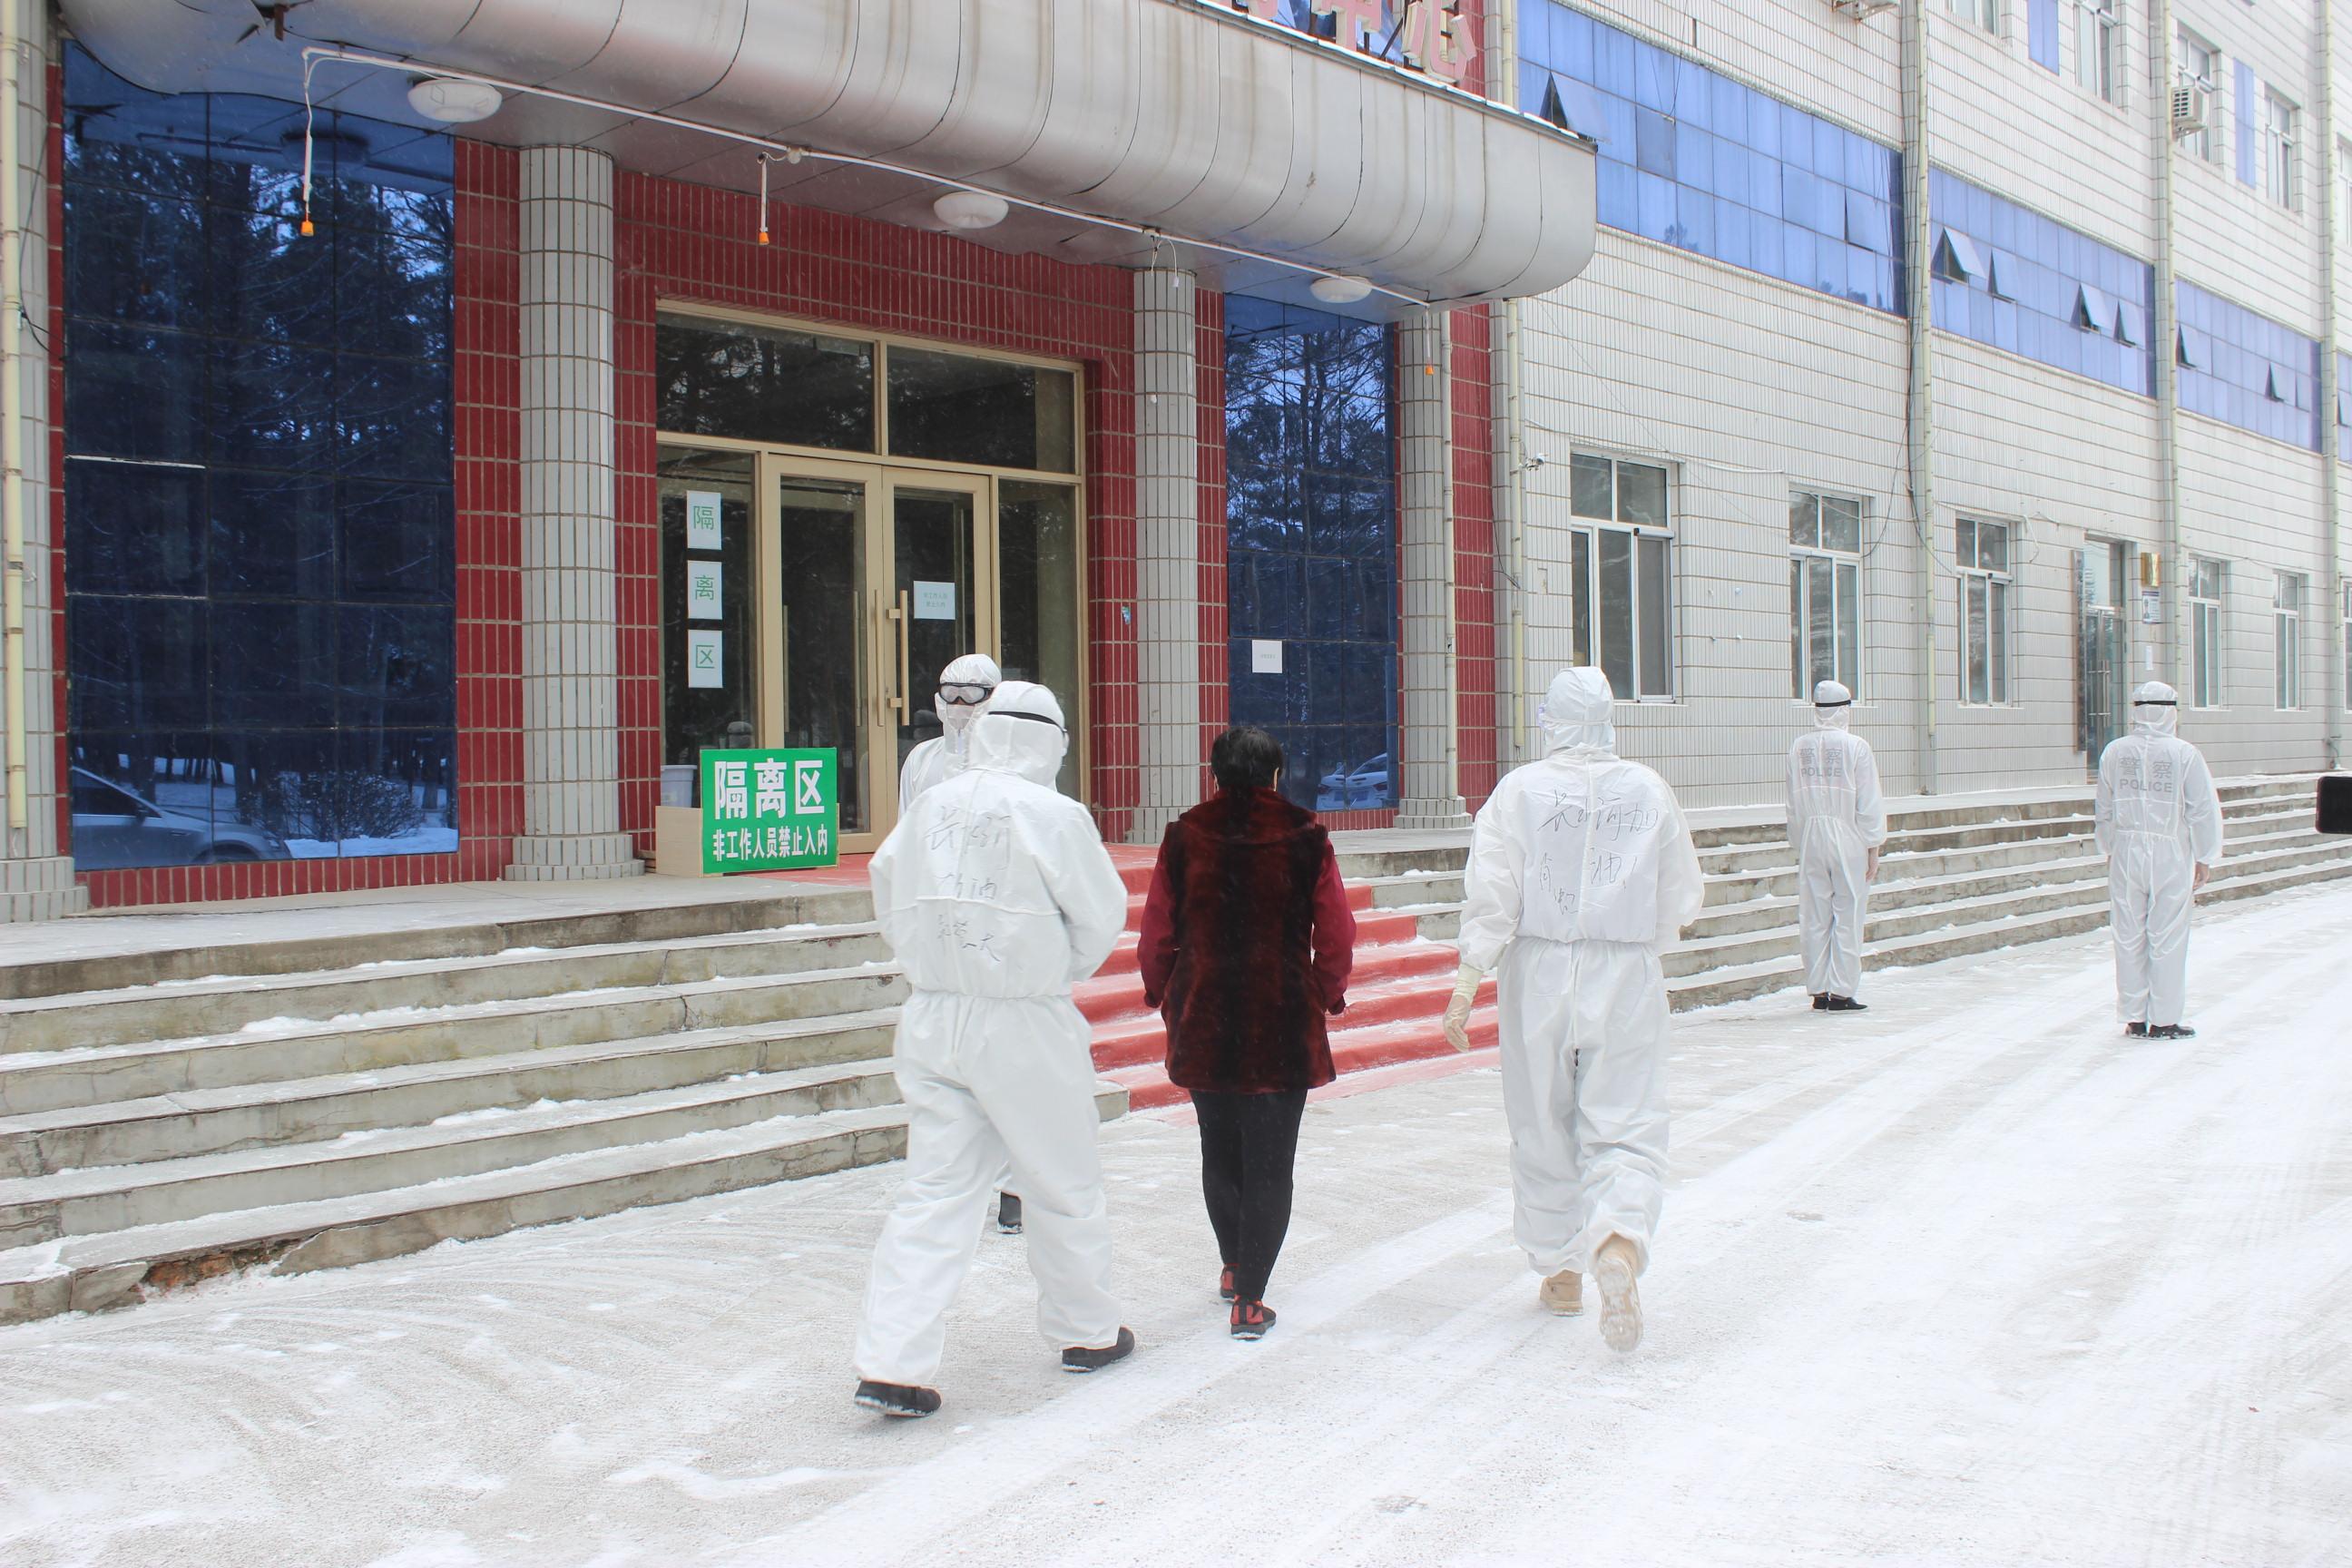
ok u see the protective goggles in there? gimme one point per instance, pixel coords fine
(1031, 718)
(2158, 702)
(1847, 703)
(963, 696)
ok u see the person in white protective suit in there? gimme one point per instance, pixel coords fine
(1837, 820)
(964, 685)
(996, 893)
(1581, 868)
(2159, 825)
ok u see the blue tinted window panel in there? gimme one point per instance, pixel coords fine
(397, 792)
(1801, 255)
(1615, 200)
(272, 405)
(1694, 159)
(392, 419)
(274, 665)
(1765, 180)
(138, 663)
(140, 798)
(396, 666)
(1764, 123)
(1726, 109)
(1573, 42)
(134, 257)
(133, 392)
(1695, 221)
(1770, 239)
(2041, 33)
(1735, 234)
(267, 281)
(1654, 198)
(1653, 77)
(398, 541)
(1654, 142)
(1614, 60)
(2243, 101)
(137, 528)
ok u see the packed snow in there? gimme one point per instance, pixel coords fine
(1968, 1279)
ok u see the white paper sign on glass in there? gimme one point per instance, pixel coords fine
(705, 597)
(935, 601)
(2151, 607)
(706, 661)
(1265, 658)
(703, 527)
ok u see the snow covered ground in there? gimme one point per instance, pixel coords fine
(1966, 1279)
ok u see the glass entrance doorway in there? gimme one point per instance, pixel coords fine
(824, 620)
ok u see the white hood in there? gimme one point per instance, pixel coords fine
(2156, 709)
(1020, 732)
(1576, 714)
(971, 669)
(1833, 705)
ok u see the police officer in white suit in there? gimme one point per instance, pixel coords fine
(1582, 869)
(2159, 825)
(1837, 820)
(997, 894)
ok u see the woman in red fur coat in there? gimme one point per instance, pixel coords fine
(1247, 941)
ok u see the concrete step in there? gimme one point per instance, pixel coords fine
(227, 1004)
(115, 1267)
(216, 1121)
(790, 906)
(58, 1080)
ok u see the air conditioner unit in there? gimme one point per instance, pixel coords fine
(1862, 10)
(2192, 108)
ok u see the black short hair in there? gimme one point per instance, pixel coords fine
(1245, 757)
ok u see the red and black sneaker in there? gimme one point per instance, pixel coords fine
(1225, 1285)
(1251, 1320)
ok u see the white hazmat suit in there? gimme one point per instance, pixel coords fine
(2159, 825)
(964, 685)
(1582, 869)
(1837, 820)
(997, 894)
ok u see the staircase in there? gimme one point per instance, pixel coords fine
(170, 1115)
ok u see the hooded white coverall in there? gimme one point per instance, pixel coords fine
(935, 759)
(1836, 817)
(1581, 868)
(2158, 820)
(996, 893)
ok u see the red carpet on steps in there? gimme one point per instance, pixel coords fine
(1396, 999)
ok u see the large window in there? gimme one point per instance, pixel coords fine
(1981, 552)
(2200, 66)
(2207, 675)
(1622, 577)
(259, 525)
(1825, 534)
(2281, 150)
(1311, 546)
(2099, 48)
(2286, 613)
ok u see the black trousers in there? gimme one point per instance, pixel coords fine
(1248, 1144)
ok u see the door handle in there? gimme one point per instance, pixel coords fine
(906, 668)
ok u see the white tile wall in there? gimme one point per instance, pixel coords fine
(1168, 548)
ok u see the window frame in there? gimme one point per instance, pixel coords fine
(2209, 640)
(2207, 144)
(1983, 15)
(2102, 20)
(1998, 588)
(2290, 591)
(1848, 583)
(1590, 609)
(2281, 130)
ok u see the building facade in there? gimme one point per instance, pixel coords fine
(1983, 354)
(412, 497)
(421, 499)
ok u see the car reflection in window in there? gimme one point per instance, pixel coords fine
(114, 829)
(1359, 788)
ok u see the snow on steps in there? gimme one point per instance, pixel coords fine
(169, 1115)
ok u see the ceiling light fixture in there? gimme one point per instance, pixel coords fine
(971, 210)
(1336, 290)
(449, 101)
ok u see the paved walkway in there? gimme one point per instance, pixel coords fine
(1966, 1279)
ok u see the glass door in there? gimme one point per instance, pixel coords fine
(940, 607)
(2104, 659)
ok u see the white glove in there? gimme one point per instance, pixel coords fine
(1457, 1011)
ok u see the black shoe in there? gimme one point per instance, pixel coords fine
(1008, 1214)
(2171, 1032)
(2136, 1031)
(1251, 1320)
(1078, 1358)
(1843, 1004)
(1225, 1285)
(1821, 1002)
(903, 1401)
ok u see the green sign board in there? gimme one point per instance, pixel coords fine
(770, 811)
